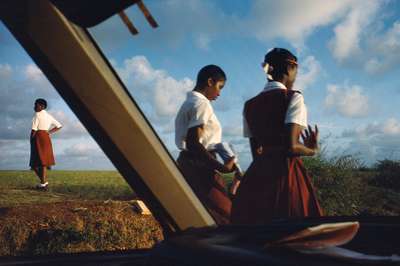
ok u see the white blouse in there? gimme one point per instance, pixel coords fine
(196, 111)
(44, 121)
(296, 112)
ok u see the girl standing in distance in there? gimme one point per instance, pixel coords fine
(277, 185)
(43, 124)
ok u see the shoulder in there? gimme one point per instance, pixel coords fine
(49, 115)
(43, 113)
(202, 104)
(35, 117)
(251, 101)
(297, 97)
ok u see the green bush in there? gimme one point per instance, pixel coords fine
(387, 175)
(338, 184)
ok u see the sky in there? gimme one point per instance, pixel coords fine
(349, 58)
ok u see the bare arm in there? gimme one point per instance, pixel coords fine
(33, 133)
(54, 129)
(193, 144)
(310, 140)
(256, 148)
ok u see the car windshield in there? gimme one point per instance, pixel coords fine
(199, 72)
(347, 57)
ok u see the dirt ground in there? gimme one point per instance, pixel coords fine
(75, 226)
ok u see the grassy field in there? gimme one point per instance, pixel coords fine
(82, 211)
(18, 187)
(87, 211)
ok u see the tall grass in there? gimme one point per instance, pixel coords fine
(346, 187)
(18, 187)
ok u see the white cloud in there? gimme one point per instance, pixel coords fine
(180, 20)
(72, 127)
(391, 127)
(361, 40)
(19, 87)
(14, 154)
(348, 101)
(204, 21)
(375, 141)
(310, 69)
(33, 72)
(357, 40)
(293, 20)
(19, 90)
(233, 130)
(346, 42)
(156, 88)
(82, 150)
(383, 50)
(5, 71)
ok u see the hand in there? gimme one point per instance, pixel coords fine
(234, 187)
(310, 138)
(229, 165)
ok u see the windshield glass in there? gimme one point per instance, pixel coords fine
(347, 69)
(78, 202)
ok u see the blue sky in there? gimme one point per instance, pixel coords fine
(349, 54)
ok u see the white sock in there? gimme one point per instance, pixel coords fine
(43, 185)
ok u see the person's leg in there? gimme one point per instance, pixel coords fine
(36, 170)
(43, 174)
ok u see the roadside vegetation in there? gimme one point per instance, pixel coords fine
(345, 186)
(87, 211)
(83, 211)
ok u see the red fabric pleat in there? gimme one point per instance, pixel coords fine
(41, 150)
(209, 187)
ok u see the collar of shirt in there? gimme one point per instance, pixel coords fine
(41, 112)
(273, 85)
(196, 94)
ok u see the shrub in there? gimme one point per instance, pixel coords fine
(338, 184)
(387, 174)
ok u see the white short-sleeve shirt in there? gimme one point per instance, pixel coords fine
(44, 121)
(296, 112)
(196, 111)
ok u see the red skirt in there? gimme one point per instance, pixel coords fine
(207, 186)
(274, 187)
(41, 150)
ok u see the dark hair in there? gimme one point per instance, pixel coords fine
(279, 59)
(42, 102)
(210, 71)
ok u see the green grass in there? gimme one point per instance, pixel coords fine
(82, 211)
(18, 187)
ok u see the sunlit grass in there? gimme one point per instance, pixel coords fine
(18, 187)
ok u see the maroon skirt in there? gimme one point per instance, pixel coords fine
(274, 187)
(208, 187)
(41, 150)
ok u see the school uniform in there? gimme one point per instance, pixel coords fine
(41, 146)
(198, 171)
(275, 185)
